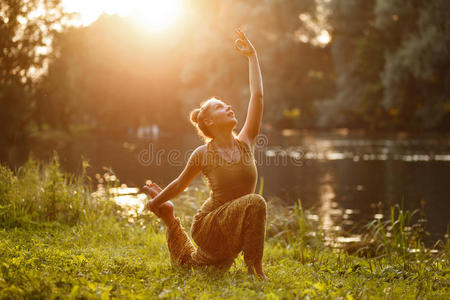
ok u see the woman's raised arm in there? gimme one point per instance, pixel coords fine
(252, 124)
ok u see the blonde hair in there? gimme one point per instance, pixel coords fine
(197, 118)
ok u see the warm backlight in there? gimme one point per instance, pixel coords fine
(157, 14)
(153, 15)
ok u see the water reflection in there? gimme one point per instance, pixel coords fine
(314, 148)
(355, 156)
(128, 198)
(326, 205)
(332, 216)
(133, 203)
(358, 170)
(341, 177)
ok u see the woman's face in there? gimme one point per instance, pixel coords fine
(220, 113)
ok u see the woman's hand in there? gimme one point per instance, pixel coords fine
(242, 44)
(152, 189)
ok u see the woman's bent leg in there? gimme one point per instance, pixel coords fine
(183, 252)
(236, 226)
(180, 247)
(253, 232)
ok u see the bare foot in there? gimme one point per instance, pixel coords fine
(166, 212)
(257, 269)
(261, 275)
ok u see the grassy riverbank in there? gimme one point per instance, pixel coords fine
(58, 240)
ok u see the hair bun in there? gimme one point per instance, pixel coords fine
(194, 115)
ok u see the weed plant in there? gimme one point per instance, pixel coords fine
(40, 193)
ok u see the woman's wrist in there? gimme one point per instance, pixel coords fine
(157, 203)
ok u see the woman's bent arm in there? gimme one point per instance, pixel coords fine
(192, 170)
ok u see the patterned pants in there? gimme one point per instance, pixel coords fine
(236, 226)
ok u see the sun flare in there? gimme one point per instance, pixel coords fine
(155, 15)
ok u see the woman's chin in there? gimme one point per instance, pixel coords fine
(230, 123)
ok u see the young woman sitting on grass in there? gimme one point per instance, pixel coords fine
(233, 218)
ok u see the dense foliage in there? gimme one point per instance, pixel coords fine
(24, 33)
(384, 65)
(392, 64)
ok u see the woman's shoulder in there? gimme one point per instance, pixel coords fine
(199, 154)
(203, 155)
(200, 151)
(203, 149)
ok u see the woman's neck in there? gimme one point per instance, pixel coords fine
(224, 141)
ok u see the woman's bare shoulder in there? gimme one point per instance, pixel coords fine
(198, 156)
(201, 149)
(199, 153)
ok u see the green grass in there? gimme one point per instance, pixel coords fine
(99, 254)
(39, 192)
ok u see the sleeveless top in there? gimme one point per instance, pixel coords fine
(228, 180)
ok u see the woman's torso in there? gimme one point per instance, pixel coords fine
(228, 180)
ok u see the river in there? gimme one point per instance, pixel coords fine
(346, 179)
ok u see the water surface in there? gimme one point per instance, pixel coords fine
(345, 179)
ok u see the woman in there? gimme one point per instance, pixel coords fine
(233, 218)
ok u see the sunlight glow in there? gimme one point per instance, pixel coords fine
(324, 37)
(153, 15)
(157, 14)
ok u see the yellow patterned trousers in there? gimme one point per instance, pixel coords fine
(238, 225)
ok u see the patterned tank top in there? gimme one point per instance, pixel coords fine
(228, 180)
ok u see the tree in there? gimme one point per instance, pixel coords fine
(416, 76)
(109, 76)
(295, 73)
(392, 64)
(352, 46)
(26, 27)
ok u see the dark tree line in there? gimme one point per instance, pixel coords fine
(392, 63)
(386, 67)
(21, 37)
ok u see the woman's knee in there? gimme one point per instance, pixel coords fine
(257, 201)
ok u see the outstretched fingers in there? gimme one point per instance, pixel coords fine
(242, 43)
(155, 186)
(150, 191)
(239, 44)
(240, 34)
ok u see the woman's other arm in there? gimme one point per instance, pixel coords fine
(252, 124)
(190, 171)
